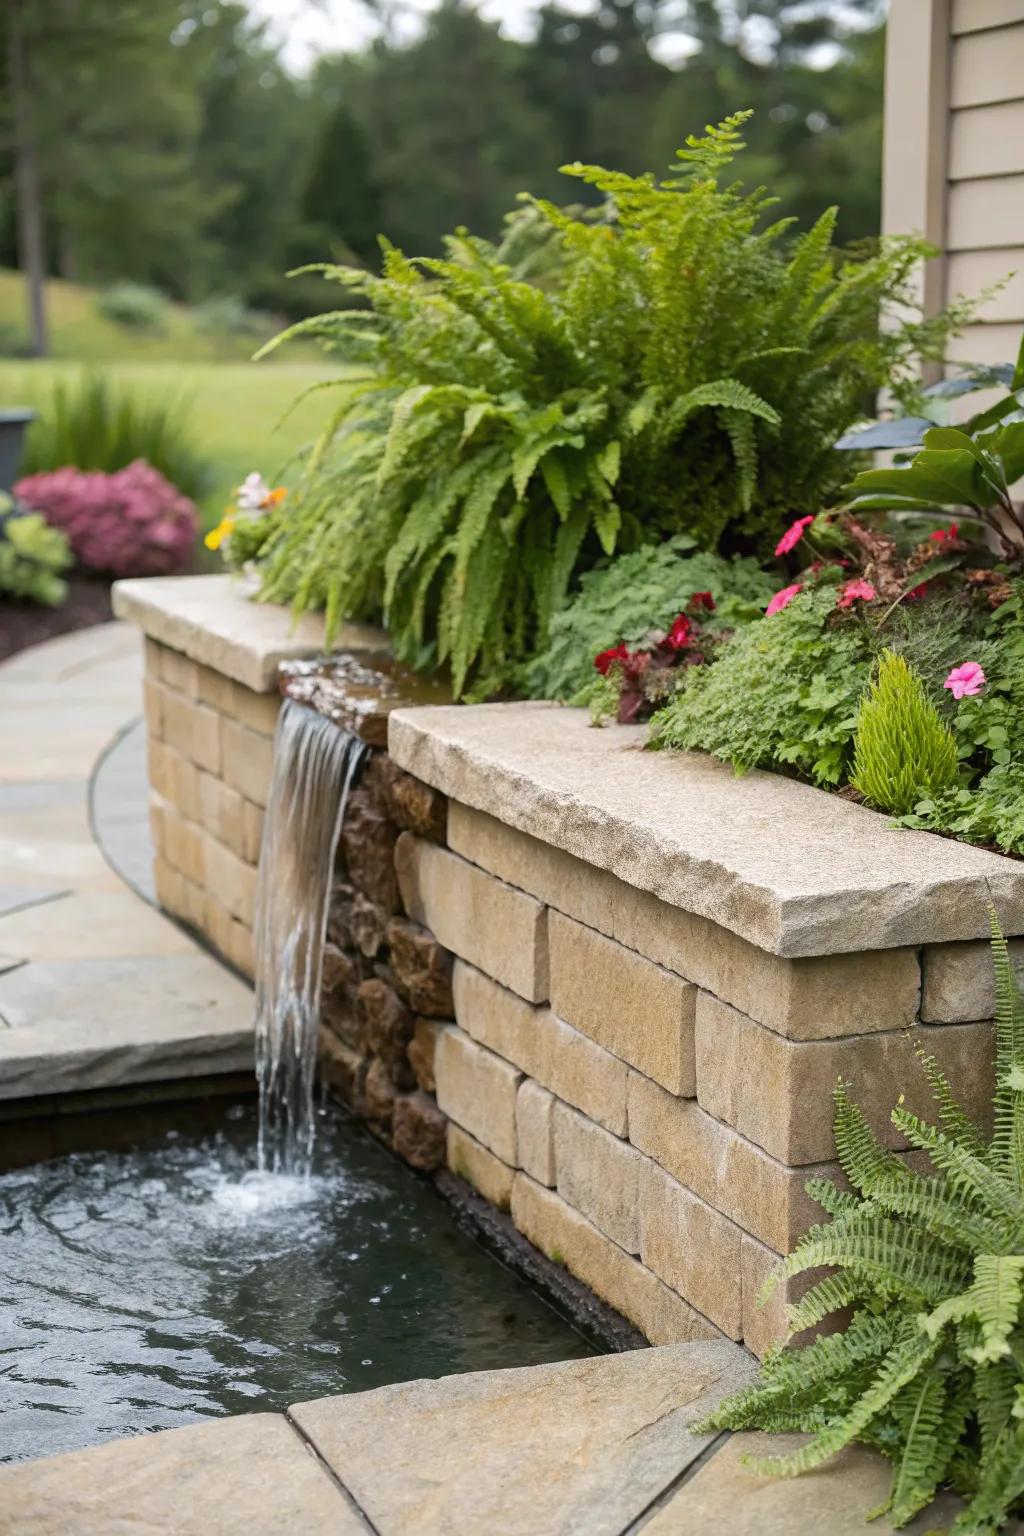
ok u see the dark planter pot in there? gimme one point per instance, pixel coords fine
(12, 435)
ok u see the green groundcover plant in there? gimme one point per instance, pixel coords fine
(930, 1368)
(32, 557)
(902, 747)
(679, 365)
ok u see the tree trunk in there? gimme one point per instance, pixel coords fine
(26, 169)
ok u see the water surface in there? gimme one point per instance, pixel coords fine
(147, 1289)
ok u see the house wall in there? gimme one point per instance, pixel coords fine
(954, 156)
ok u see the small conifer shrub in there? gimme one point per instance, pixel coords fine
(930, 1369)
(902, 748)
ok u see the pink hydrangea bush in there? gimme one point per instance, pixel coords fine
(131, 523)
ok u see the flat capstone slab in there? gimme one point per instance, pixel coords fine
(580, 1447)
(726, 1497)
(791, 868)
(215, 621)
(250, 1476)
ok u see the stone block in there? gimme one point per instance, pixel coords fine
(692, 1247)
(368, 850)
(766, 1326)
(179, 672)
(252, 832)
(958, 982)
(258, 711)
(153, 695)
(230, 881)
(422, 967)
(377, 1101)
(248, 760)
(242, 949)
(483, 920)
(338, 995)
(341, 1067)
(386, 1028)
(624, 1283)
(181, 842)
(739, 1179)
(778, 1092)
(546, 1048)
(477, 1089)
(367, 924)
(488, 1175)
(421, 1051)
(221, 811)
(167, 881)
(419, 1132)
(412, 805)
(599, 1176)
(634, 1008)
(173, 777)
(535, 1119)
(192, 729)
(805, 999)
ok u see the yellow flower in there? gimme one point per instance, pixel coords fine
(216, 536)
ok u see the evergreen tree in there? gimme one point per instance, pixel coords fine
(340, 203)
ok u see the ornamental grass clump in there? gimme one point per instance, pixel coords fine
(684, 366)
(902, 750)
(930, 1369)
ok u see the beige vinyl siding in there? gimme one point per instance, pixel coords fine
(954, 156)
(987, 141)
(977, 15)
(987, 66)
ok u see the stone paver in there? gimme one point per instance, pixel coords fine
(249, 1476)
(727, 1498)
(98, 988)
(580, 1448)
(762, 855)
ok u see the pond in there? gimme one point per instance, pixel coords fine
(146, 1289)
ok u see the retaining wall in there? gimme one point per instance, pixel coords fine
(613, 990)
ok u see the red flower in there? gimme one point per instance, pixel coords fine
(678, 636)
(856, 591)
(607, 659)
(916, 592)
(943, 535)
(792, 536)
(701, 600)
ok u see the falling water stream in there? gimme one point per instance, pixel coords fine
(315, 762)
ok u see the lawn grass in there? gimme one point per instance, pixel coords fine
(79, 332)
(235, 408)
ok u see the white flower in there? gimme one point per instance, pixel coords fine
(252, 493)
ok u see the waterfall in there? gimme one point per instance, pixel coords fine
(315, 762)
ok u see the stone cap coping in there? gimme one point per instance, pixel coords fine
(793, 869)
(215, 621)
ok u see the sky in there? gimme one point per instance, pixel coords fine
(306, 28)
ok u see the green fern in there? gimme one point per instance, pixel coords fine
(930, 1369)
(599, 380)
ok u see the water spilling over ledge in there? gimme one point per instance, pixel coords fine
(315, 763)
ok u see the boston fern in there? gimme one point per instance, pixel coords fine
(930, 1369)
(666, 363)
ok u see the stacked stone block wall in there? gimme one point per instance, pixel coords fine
(210, 747)
(647, 1093)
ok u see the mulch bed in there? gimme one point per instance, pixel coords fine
(25, 624)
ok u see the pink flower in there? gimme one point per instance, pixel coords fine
(965, 681)
(679, 635)
(854, 591)
(782, 599)
(941, 535)
(792, 536)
